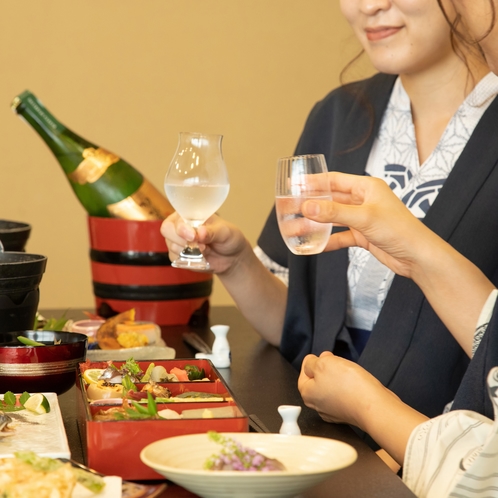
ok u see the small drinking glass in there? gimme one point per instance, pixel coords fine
(302, 178)
(196, 185)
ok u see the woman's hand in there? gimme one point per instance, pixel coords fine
(343, 392)
(378, 221)
(221, 242)
(338, 389)
(259, 295)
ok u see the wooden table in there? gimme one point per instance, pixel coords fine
(261, 380)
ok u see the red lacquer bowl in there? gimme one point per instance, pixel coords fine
(48, 368)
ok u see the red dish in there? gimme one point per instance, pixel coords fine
(113, 447)
(48, 368)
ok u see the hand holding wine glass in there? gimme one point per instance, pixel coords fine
(196, 185)
(301, 178)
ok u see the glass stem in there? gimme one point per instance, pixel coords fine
(192, 251)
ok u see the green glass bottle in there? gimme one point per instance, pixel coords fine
(105, 184)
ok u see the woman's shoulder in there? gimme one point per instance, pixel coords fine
(371, 89)
(363, 100)
(346, 116)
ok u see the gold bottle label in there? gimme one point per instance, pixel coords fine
(94, 165)
(147, 203)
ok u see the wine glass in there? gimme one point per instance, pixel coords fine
(301, 178)
(196, 185)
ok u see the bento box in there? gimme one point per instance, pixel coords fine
(114, 436)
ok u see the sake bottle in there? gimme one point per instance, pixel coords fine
(105, 184)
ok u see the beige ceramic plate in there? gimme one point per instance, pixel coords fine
(43, 434)
(308, 460)
(138, 354)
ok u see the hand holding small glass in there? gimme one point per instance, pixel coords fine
(301, 178)
(196, 184)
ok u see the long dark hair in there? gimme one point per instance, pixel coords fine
(458, 19)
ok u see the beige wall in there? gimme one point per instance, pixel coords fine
(129, 75)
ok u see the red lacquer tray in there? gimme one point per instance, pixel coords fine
(113, 447)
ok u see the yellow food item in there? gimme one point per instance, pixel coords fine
(107, 334)
(37, 403)
(91, 375)
(104, 390)
(20, 480)
(132, 339)
(141, 327)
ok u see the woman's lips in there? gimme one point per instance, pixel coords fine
(374, 34)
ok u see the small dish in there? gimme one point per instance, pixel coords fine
(128, 489)
(142, 353)
(43, 434)
(309, 460)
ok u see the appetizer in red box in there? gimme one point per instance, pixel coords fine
(128, 405)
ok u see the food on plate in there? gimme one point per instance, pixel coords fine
(113, 374)
(156, 390)
(195, 413)
(28, 475)
(129, 410)
(104, 390)
(132, 410)
(132, 339)
(235, 456)
(92, 375)
(123, 332)
(107, 333)
(137, 334)
(190, 396)
(5, 420)
(131, 369)
(36, 403)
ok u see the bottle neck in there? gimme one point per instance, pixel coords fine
(59, 139)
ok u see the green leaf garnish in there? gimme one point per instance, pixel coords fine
(133, 367)
(9, 403)
(194, 372)
(128, 384)
(151, 405)
(24, 397)
(9, 398)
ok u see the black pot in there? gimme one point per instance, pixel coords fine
(20, 276)
(21, 264)
(14, 235)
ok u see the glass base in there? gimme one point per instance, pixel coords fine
(191, 258)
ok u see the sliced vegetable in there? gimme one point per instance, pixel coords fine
(37, 403)
(180, 374)
(29, 342)
(148, 372)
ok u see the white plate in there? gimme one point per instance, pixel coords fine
(43, 434)
(308, 460)
(157, 352)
